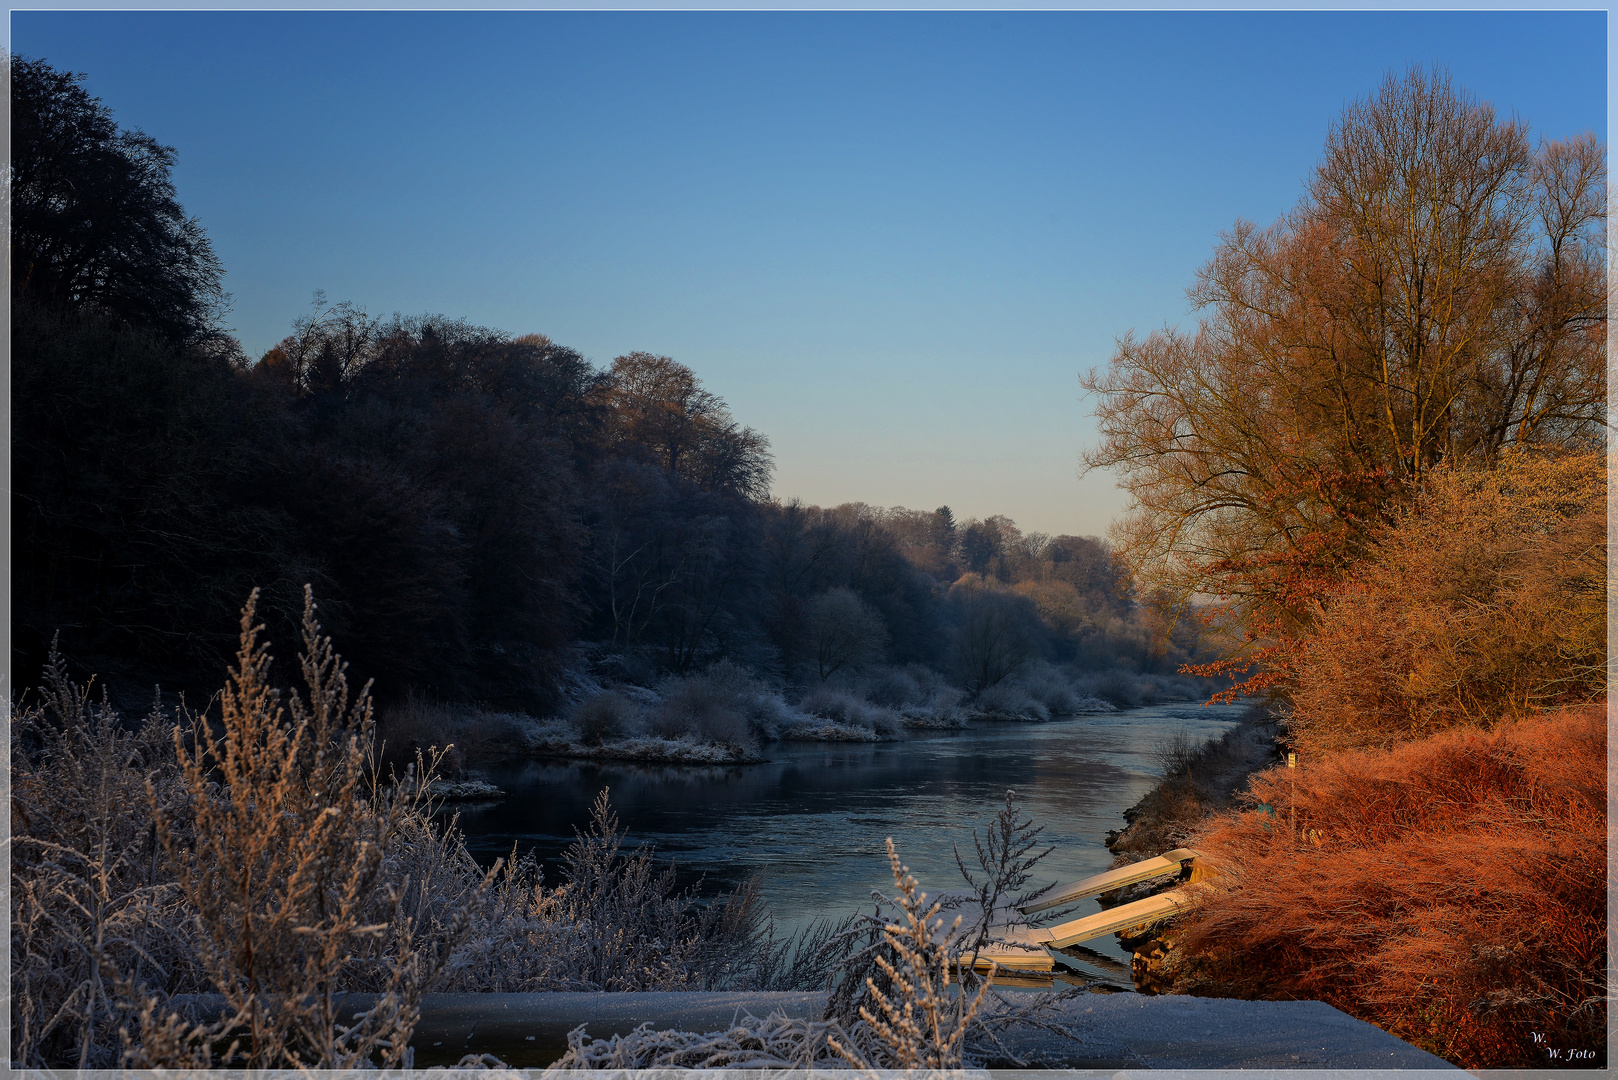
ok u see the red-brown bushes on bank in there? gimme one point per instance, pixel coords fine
(1452, 891)
(1485, 599)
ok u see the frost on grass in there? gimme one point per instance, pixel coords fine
(260, 854)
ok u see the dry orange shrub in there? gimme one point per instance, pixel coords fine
(1486, 598)
(1451, 891)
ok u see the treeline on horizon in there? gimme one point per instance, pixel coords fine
(471, 507)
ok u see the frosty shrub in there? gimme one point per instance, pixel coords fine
(921, 696)
(278, 841)
(1131, 690)
(904, 995)
(892, 688)
(703, 706)
(463, 737)
(1050, 686)
(914, 1021)
(1174, 755)
(91, 895)
(1011, 700)
(1118, 689)
(766, 712)
(637, 930)
(848, 707)
(260, 857)
(889, 993)
(1452, 890)
(603, 716)
(1486, 599)
(1065, 694)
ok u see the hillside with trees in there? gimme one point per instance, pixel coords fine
(484, 517)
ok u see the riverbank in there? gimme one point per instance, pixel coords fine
(725, 715)
(810, 822)
(1197, 782)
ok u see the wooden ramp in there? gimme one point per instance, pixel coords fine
(1140, 913)
(1167, 863)
(1020, 947)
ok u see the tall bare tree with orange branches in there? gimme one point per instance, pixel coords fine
(1437, 296)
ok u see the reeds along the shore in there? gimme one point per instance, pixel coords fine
(1451, 891)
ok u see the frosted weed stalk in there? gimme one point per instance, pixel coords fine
(289, 827)
(1007, 857)
(917, 1023)
(906, 1019)
(903, 990)
(89, 888)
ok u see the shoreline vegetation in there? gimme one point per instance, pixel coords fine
(1473, 858)
(725, 715)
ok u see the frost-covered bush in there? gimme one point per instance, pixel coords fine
(1131, 690)
(1175, 688)
(1049, 686)
(1117, 688)
(706, 706)
(846, 707)
(892, 688)
(607, 715)
(121, 895)
(765, 710)
(904, 990)
(1011, 700)
(1059, 691)
(769, 715)
(279, 823)
(921, 696)
(471, 738)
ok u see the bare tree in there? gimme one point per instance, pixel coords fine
(846, 633)
(995, 636)
(660, 411)
(1437, 295)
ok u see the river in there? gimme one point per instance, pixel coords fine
(813, 819)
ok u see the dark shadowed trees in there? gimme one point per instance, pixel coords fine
(124, 535)
(676, 578)
(425, 466)
(95, 221)
(995, 634)
(658, 411)
(845, 632)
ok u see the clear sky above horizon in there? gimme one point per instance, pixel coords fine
(889, 240)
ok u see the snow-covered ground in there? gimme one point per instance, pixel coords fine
(1125, 1032)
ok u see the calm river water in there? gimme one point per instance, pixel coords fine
(813, 819)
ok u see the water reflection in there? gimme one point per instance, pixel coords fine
(813, 819)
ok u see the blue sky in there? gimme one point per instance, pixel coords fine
(889, 240)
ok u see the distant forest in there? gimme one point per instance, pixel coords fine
(482, 516)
